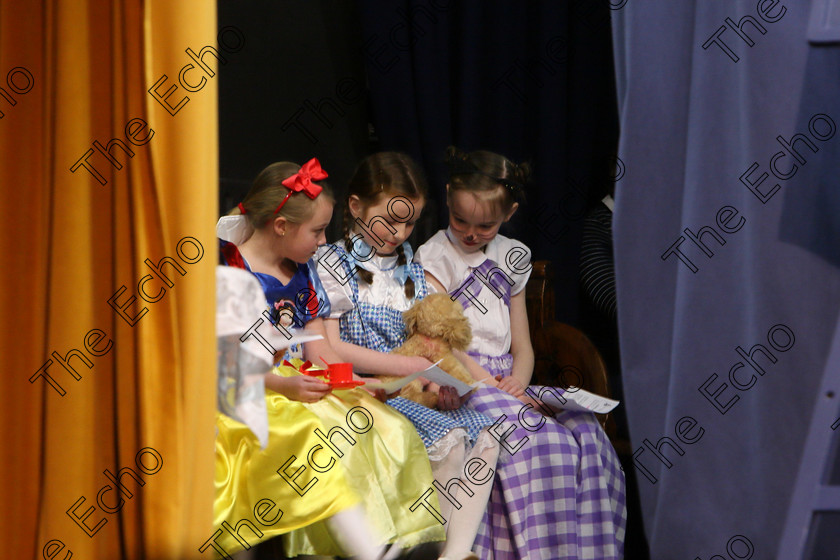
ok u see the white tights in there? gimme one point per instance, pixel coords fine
(463, 522)
(350, 529)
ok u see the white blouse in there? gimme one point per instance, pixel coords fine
(384, 290)
(451, 266)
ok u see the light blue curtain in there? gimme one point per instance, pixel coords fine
(763, 271)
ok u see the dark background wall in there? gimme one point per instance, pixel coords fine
(296, 91)
(340, 79)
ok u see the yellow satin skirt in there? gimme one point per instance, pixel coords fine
(254, 501)
(385, 463)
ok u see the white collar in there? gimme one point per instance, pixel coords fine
(378, 263)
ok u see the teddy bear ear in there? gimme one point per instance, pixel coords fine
(465, 333)
(461, 335)
(410, 318)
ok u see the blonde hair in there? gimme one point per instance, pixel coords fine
(268, 192)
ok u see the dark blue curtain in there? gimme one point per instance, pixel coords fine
(530, 80)
(728, 291)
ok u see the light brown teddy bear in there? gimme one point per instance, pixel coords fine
(435, 326)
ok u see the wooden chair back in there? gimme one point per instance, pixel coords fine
(563, 355)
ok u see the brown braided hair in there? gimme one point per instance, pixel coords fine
(378, 176)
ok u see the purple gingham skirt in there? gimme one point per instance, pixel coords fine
(559, 489)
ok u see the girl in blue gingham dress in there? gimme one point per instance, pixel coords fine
(370, 281)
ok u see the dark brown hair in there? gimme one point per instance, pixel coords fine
(501, 181)
(384, 175)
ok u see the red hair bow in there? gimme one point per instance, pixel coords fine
(302, 181)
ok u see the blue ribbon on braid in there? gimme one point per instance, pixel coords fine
(365, 252)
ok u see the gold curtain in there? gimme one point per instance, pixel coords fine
(72, 73)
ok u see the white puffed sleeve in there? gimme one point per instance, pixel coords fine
(234, 229)
(334, 280)
(517, 260)
(435, 256)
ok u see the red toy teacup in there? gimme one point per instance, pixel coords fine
(341, 373)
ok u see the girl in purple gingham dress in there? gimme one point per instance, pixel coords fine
(370, 280)
(559, 491)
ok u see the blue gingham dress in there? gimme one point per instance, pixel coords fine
(382, 328)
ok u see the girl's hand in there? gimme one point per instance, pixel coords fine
(303, 388)
(448, 398)
(511, 385)
(378, 394)
(381, 395)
